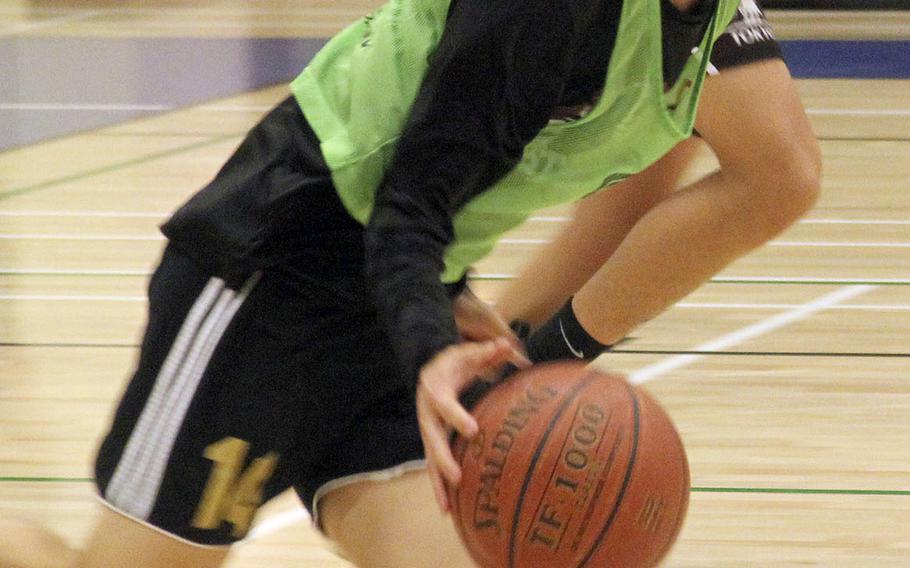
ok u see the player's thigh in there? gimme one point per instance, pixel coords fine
(119, 541)
(392, 524)
(237, 395)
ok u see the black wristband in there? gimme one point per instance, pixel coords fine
(563, 337)
(521, 329)
(453, 289)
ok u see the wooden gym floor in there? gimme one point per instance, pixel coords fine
(788, 375)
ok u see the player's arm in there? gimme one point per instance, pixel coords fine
(760, 99)
(467, 128)
(769, 176)
(492, 85)
(598, 225)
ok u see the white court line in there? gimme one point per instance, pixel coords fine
(68, 298)
(104, 214)
(837, 244)
(563, 219)
(190, 12)
(76, 237)
(74, 272)
(235, 108)
(507, 241)
(91, 107)
(749, 332)
(733, 306)
(480, 276)
(854, 222)
(681, 305)
(858, 111)
(759, 278)
(126, 107)
(278, 522)
(823, 244)
(537, 218)
(809, 280)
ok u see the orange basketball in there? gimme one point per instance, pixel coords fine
(571, 467)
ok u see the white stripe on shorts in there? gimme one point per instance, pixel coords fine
(137, 479)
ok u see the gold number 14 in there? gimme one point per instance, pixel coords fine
(232, 494)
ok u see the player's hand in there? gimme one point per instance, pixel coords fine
(439, 412)
(479, 321)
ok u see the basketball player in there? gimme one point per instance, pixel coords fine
(309, 323)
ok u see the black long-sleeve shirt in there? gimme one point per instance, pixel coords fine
(501, 72)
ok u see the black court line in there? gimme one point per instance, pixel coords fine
(792, 280)
(866, 355)
(110, 168)
(765, 490)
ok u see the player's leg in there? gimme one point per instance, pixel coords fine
(24, 544)
(392, 524)
(211, 423)
(120, 541)
(185, 464)
(135, 455)
(372, 495)
(603, 221)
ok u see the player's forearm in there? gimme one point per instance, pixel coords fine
(676, 247)
(752, 118)
(599, 224)
(556, 272)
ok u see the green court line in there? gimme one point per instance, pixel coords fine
(146, 273)
(113, 167)
(772, 490)
(722, 280)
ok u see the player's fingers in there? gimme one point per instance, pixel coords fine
(486, 361)
(454, 414)
(494, 325)
(493, 354)
(519, 359)
(435, 437)
(479, 321)
(476, 357)
(439, 488)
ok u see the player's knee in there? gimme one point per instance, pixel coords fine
(806, 177)
(801, 185)
(787, 188)
(392, 524)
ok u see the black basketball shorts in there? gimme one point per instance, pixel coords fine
(244, 391)
(747, 39)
